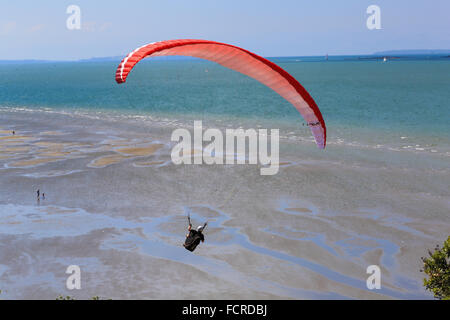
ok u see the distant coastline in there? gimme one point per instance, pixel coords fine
(414, 52)
(388, 53)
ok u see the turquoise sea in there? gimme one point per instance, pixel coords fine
(360, 97)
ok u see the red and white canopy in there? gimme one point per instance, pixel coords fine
(240, 60)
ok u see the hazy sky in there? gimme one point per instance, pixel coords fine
(37, 29)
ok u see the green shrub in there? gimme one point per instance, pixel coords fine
(437, 268)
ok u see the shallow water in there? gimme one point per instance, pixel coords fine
(116, 205)
(41, 222)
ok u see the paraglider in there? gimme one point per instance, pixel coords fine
(194, 237)
(240, 60)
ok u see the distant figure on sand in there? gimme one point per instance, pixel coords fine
(13, 132)
(38, 194)
(194, 237)
(43, 196)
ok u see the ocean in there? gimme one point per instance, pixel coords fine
(360, 99)
(378, 193)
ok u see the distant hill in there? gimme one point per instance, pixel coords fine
(119, 58)
(413, 52)
(23, 61)
(97, 59)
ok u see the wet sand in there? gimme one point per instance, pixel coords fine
(107, 160)
(31, 163)
(116, 206)
(140, 151)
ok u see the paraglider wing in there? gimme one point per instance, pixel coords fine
(240, 60)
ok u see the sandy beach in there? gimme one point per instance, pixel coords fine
(116, 206)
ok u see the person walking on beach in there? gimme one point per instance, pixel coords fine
(43, 196)
(194, 237)
(38, 197)
(13, 132)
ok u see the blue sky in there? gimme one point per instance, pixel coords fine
(37, 29)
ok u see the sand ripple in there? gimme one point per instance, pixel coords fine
(140, 151)
(32, 162)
